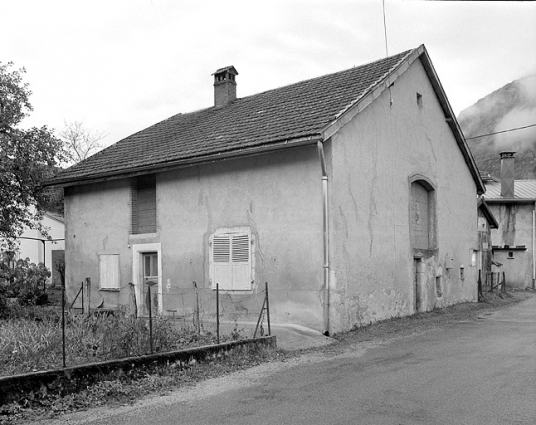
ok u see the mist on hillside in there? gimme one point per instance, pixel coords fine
(511, 106)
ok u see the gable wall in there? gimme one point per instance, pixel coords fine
(515, 229)
(374, 156)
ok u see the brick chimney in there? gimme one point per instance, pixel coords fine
(224, 86)
(507, 174)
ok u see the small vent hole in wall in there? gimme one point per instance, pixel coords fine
(510, 254)
(419, 100)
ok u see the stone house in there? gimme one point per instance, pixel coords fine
(513, 203)
(353, 194)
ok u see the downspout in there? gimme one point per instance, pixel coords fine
(325, 214)
(534, 246)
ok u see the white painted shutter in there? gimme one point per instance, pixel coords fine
(241, 262)
(221, 257)
(109, 271)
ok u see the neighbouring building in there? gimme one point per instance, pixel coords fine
(38, 248)
(513, 204)
(486, 222)
(353, 194)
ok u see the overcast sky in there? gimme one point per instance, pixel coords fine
(122, 65)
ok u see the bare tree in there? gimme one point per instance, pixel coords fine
(80, 142)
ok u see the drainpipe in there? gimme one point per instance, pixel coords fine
(534, 246)
(325, 212)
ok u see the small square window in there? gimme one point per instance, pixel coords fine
(511, 255)
(419, 100)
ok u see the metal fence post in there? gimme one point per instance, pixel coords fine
(150, 318)
(479, 282)
(197, 321)
(217, 313)
(267, 308)
(88, 283)
(63, 321)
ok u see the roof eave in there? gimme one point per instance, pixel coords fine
(482, 204)
(377, 89)
(188, 162)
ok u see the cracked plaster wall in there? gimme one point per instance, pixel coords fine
(373, 158)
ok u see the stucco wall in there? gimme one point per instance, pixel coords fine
(515, 229)
(97, 221)
(278, 196)
(374, 158)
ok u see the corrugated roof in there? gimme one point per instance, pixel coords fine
(523, 189)
(298, 110)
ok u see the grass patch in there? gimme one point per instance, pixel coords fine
(34, 342)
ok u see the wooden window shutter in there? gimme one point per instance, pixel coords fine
(240, 262)
(144, 205)
(231, 260)
(109, 271)
(221, 257)
(420, 216)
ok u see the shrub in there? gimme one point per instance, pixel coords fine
(26, 282)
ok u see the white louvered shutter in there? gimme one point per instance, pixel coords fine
(221, 257)
(240, 262)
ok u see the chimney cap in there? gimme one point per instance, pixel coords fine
(507, 154)
(231, 69)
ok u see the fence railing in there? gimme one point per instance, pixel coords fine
(206, 311)
(491, 281)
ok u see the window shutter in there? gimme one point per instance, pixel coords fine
(240, 262)
(109, 271)
(231, 259)
(144, 205)
(221, 257)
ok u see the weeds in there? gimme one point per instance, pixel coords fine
(34, 342)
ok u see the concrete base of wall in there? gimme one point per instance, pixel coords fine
(72, 379)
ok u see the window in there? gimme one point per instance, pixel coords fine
(150, 279)
(422, 215)
(150, 267)
(144, 205)
(231, 259)
(109, 272)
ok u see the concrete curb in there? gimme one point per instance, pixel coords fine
(74, 378)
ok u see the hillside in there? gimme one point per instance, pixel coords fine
(511, 106)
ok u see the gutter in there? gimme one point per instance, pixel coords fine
(183, 163)
(534, 246)
(325, 227)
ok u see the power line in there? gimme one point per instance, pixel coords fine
(499, 132)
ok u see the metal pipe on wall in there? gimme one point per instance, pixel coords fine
(325, 214)
(534, 246)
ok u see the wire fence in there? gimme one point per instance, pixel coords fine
(172, 320)
(202, 311)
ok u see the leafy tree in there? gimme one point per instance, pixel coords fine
(27, 158)
(80, 142)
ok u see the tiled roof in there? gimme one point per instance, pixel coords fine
(287, 113)
(523, 189)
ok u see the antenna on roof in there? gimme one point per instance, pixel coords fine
(386, 47)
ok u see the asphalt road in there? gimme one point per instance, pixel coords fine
(481, 372)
